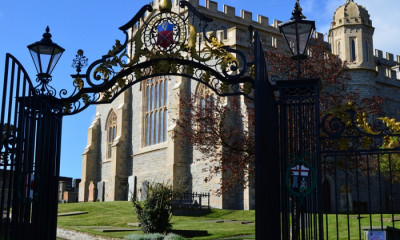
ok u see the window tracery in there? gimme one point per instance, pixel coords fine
(155, 111)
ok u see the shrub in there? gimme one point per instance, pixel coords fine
(154, 213)
(173, 236)
(152, 236)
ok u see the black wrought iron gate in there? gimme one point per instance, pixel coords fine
(299, 158)
(30, 157)
(287, 133)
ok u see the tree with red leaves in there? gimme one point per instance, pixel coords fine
(222, 129)
(331, 71)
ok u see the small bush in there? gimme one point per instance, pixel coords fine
(155, 212)
(152, 236)
(173, 236)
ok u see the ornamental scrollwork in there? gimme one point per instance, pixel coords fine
(346, 130)
(160, 43)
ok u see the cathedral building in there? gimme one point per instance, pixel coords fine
(130, 140)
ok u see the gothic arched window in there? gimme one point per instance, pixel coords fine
(155, 110)
(111, 128)
(206, 100)
(366, 51)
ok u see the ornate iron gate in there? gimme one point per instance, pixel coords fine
(299, 158)
(360, 177)
(30, 156)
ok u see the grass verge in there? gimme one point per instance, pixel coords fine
(118, 214)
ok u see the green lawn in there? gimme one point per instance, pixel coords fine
(121, 213)
(356, 226)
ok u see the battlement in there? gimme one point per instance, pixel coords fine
(387, 66)
(387, 59)
(210, 8)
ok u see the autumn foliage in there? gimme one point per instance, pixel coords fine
(222, 129)
(331, 71)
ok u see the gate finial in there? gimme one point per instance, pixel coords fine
(165, 5)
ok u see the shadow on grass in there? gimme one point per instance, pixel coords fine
(198, 212)
(221, 213)
(191, 233)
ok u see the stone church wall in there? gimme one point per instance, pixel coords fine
(150, 166)
(137, 115)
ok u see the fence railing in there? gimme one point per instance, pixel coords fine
(192, 200)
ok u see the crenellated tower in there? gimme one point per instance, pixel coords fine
(351, 35)
(351, 38)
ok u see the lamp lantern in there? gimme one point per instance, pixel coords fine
(297, 33)
(45, 54)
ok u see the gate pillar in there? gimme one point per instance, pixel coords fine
(37, 166)
(300, 159)
(266, 160)
(30, 158)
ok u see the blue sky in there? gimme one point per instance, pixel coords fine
(92, 25)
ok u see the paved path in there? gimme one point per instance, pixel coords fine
(74, 235)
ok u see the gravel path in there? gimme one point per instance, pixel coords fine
(74, 235)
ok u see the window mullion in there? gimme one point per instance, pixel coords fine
(155, 122)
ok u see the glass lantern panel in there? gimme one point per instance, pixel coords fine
(54, 61)
(289, 32)
(36, 59)
(46, 53)
(45, 60)
(305, 31)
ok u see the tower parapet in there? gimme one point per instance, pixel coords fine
(210, 8)
(387, 65)
(351, 36)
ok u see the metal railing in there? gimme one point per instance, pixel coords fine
(192, 200)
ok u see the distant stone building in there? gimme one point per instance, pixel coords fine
(131, 137)
(68, 189)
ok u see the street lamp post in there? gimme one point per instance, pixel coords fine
(297, 33)
(42, 167)
(299, 111)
